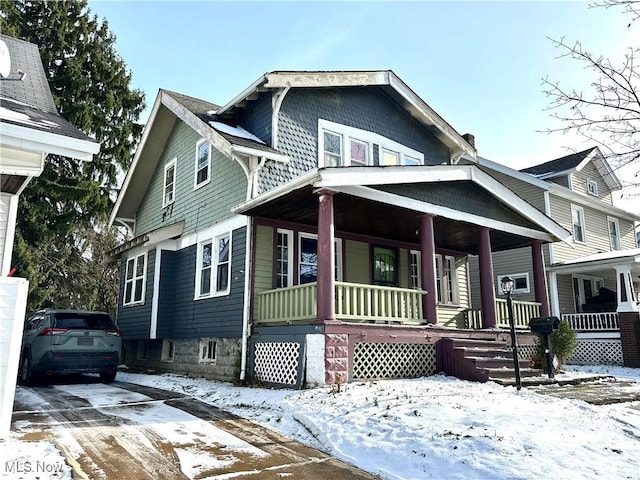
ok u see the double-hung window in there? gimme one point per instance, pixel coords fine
(308, 258)
(134, 284)
(169, 191)
(614, 233)
(284, 258)
(344, 146)
(415, 257)
(214, 268)
(446, 283)
(592, 187)
(579, 230)
(203, 163)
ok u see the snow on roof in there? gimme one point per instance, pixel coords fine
(602, 256)
(235, 131)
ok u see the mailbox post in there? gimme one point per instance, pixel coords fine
(545, 327)
(507, 287)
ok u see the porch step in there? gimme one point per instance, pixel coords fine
(482, 361)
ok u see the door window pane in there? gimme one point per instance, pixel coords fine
(384, 266)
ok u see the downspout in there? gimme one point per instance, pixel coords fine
(247, 299)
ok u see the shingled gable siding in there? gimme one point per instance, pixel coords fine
(359, 107)
(256, 117)
(205, 206)
(135, 320)
(219, 317)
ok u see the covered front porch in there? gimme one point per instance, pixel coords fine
(348, 259)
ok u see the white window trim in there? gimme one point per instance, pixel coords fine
(213, 292)
(362, 136)
(197, 185)
(418, 255)
(443, 280)
(581, 216)
(167, 167)
(514, 276)
(617, 224)
(133, 280)
(338, 252)
(592, 188)
(290, 255)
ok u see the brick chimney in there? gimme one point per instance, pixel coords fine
(470, 139)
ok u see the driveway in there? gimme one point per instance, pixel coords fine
(123, 430)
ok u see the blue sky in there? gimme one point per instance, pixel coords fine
(478, 64)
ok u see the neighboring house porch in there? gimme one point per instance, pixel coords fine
(600, 293)
(361, 270)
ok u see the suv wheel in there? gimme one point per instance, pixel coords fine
(108, 377)
(27, 376)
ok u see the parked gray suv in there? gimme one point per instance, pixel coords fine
(59, 342)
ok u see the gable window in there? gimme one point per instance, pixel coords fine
(344, 146)
(579, 230)
(592, 187)
(134, 284)
(520, 282)
(169, 191)
(614, 233)
(308, 258)
(385, 266)
(214, 270)
(332, 149)
(203, 163)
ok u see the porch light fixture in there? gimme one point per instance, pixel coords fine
(507, 288)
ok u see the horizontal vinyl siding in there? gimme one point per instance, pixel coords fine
(207, 205)
(509, 262)
(627, 234)
(135, 320)
(219, 317)
(590, 172)
(528, 192)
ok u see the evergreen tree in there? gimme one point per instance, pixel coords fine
(91, 89)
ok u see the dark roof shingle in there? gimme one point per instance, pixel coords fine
(558, 165)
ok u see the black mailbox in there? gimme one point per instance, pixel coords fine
(544, 326)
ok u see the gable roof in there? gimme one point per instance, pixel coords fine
(574, 163)
(200, 115)
(31, 125)
(386, 80)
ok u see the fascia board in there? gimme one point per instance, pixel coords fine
(525, 177)
(24, 138)
(339, 176)
(425, 207)
(605, 170)
(455, 139)
(136, 158)
(256, 152)
(591, 202)
(310, 79)
(307, 179)
(242, 95)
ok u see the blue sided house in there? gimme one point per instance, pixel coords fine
(314, 230)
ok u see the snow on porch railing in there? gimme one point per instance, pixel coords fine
(592, 322)
(355, 302)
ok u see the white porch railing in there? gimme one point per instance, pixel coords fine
(523, 312)
(591, 322)
(354, 302)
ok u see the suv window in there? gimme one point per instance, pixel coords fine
(85, 321)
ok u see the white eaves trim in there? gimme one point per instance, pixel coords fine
(256, 152)
(525, 177)
(24, 138)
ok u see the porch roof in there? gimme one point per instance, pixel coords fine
(387, 202)
(599, 261)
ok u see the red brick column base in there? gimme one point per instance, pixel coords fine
(630, 338)
(336, 358)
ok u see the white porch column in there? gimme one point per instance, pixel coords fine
(553, 292)
(625, 294)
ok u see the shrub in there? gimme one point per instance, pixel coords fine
(564, 341)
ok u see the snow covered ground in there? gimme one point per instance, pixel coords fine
(435, 427)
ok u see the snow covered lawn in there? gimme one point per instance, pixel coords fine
(436, 427)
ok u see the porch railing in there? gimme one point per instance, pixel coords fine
(354, 302)
(592, 322)
(523, 312)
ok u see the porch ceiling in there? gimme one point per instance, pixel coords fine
(367, 217)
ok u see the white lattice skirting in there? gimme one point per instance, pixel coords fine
(277, 362)
(597, 352)
(527, 352)
(393, 360)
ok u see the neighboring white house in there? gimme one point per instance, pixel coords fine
(30, 129)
